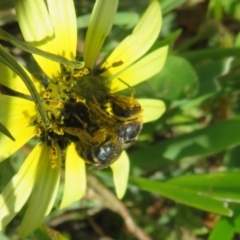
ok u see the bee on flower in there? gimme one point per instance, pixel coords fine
(87, 120)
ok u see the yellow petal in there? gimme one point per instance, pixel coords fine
(43, 194)
(50, 68)
(34, 20)
(22, 136)
(152, 109)
(138, 43)
(11, 80)
(99, 27)
(18, 115)
(17, 191)
(18, 112)
(36, 27)
(63, 18)
(120, 170)
(142, 70)
(75, 178)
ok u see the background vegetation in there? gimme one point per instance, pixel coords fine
(184, 182)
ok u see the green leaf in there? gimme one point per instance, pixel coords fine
(169, 40)
(41, 233)
(224, 185)
(9, 61)
(182, 195)
(177, 80)
(31, 49)
(208, 74)
(202, 142)
(237, 223)
(168, 5)
(129, 19)
(5, 131)
(222, 230)
(199, 55)
(231, 158)
(232, 7)
(173, 86)
(237, 40)
(3, 236)
(83, 21)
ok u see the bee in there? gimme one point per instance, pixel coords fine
(127, 111)
(104, 126)
(101, 149)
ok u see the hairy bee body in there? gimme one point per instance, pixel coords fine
(104, 124)
(101, 155)
(100, 149)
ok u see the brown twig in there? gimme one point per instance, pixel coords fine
(113, 203)
(95, 226)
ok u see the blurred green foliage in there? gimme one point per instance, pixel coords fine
(184, 181)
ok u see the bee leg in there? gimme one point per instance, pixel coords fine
(84, 124)
(80, 133)
(99, 115)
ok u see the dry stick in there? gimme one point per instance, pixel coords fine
(95, 226)
(115, 205)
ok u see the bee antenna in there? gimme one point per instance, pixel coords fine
(80, 120)
(95, 100)
(132, 89)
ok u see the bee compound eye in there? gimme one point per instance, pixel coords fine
(104, 152)
(118, 111)
(132, 131)
(126, 110)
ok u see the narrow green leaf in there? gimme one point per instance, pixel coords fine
(202, 142)
(169, 40)
(5, 131)
(129, 19)
(224, 185)
(9, 61)
(31, 49)
(211, 54)
(222, 230)
(182, 195)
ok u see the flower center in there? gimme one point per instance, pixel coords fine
(81, 109)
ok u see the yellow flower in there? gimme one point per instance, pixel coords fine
(52, 27)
